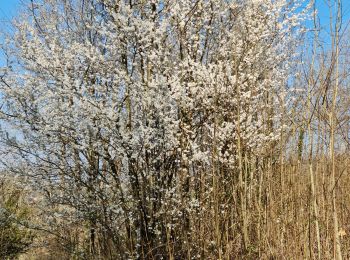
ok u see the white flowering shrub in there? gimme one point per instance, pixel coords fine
(130, 115)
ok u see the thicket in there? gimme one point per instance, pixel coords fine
(15, 237)
(189, 129)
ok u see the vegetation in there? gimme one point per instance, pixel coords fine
(188, 129)
(15, 238)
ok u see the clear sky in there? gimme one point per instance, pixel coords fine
(323, 9)
(324, 14)
(8, 9)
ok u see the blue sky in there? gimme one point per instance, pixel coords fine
(8, 9)
(323, 13)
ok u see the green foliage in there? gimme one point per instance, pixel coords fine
(301, 143)
(15, 238)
